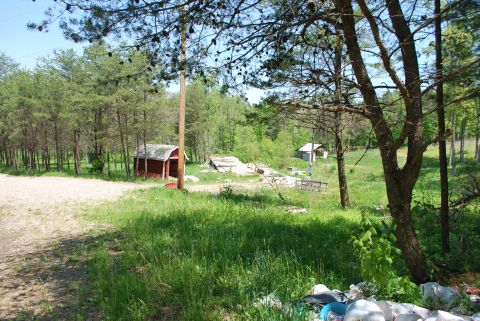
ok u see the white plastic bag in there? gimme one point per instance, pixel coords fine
(364, 310)
(319, 288)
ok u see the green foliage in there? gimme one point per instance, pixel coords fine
(464, 230)
(97, 166)
(378, 256)
(211, 120)
(247, 147)
(282, 150)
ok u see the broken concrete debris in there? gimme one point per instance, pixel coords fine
(224, 164)
(282, 180)
(334, 305)
(232, 164)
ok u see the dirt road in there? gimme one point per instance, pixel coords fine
(40, 238)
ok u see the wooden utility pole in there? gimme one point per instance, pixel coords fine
(442, 145)
(181, 113)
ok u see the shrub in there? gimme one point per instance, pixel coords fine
(96, 166)
(377, 254)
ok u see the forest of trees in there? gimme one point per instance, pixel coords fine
(101, 106)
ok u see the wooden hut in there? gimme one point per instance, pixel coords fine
(162, 161)
(306, 151)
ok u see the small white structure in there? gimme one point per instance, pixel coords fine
(318, 150)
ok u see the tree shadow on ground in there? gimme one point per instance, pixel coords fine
(49, 284)
(206, 261)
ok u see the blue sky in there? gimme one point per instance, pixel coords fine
(26, 46)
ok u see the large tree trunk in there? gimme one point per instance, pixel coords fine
(399, 181)
(46, 152)
(76, 151)
(342, 178)
(127, 152)
(137, 141)
(399, 192)
(442, 145)
(67, 157)
(99, 136)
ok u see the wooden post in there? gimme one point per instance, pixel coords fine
(310, 163)
(181, 114)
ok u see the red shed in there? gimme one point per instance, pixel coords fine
(162, 161)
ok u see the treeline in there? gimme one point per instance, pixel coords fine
(69, 106)
(101, 106)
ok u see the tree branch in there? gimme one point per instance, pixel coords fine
(383, 50)
(329, 108)
(451, 75)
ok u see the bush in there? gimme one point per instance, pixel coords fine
(96, 166)
(377, 254)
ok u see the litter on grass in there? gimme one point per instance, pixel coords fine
(334, 305)
(192, 178)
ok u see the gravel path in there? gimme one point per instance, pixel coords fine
(39, 276)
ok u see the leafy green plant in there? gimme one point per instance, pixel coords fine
(96, 166)
(226, 191)
(377, 254)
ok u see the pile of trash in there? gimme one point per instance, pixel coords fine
(352, 305)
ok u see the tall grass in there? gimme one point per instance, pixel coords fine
(210, 256)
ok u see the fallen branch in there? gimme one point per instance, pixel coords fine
(464, 200)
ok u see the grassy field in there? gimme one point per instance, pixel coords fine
(197, 256)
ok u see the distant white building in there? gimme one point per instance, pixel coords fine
(318, 150)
